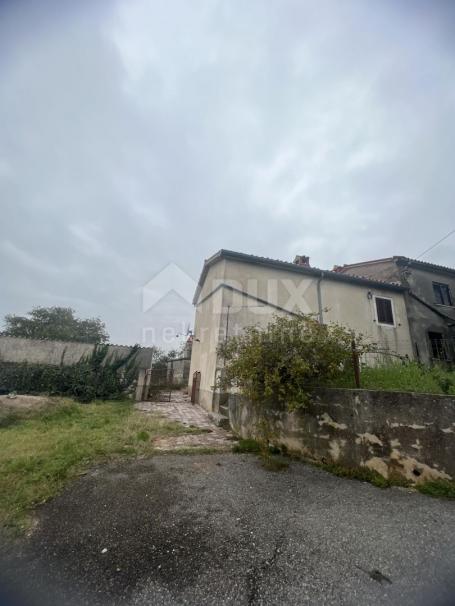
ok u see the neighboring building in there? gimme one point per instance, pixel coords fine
(236, 290)
(178, 369)
(429, 302)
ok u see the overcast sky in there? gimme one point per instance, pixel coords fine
(141, 133)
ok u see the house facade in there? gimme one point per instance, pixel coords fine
(236, 290)
(429, 298)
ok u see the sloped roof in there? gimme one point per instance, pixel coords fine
(286, 265)
(424, 264)
(400, 260)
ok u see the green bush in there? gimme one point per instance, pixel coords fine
(281, 363)
(96, 376)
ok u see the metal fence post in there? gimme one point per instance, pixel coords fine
(355, 363)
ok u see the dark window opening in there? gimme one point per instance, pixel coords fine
(438, 346)
(384, 311)
(442, 294)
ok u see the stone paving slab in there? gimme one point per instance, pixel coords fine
(181, 409)
(196, 441)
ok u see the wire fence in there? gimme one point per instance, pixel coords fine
(438, 350)
(382, 357)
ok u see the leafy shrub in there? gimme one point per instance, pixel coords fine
(95, 376)
(281, 363)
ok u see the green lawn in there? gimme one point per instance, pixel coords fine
(398, 376)
(41, 450)
(409, 377)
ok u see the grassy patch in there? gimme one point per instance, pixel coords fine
(438, 488)
(274, 462)
(409, 377)
(434, 488)
(247, 445)
(397, 376)
(193, 450)
(277, 459)
(270, 458)
(41, 450)
(363, 474)
(12, 412)
(144, 436)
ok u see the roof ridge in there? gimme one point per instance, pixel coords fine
(315, 271)
(420, 262)
(311, 268)
(397, 258)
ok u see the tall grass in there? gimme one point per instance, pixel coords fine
(398, 376)
(409, 377)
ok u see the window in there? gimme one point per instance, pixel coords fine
(438, 346)
(384, 311)
(442, 294)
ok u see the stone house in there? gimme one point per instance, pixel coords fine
(236, 290)
(429, 302)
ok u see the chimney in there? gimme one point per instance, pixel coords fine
(302, 260)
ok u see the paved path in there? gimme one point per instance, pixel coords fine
(219, 530)
(191, 415)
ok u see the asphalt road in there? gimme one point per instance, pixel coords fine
(219, 529)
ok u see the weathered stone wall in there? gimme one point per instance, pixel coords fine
(13, 349)
(389, 432)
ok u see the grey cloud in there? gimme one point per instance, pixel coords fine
(136, 134)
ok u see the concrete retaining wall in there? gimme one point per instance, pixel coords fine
(13, 349)
(406, 433)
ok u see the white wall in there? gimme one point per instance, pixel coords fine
(206, 336)
(345, 303)
(35, 351)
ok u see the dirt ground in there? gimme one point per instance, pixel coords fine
(22, 402)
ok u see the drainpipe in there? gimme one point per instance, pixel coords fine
(321, 317)
(227, 324)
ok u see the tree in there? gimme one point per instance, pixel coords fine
(161, 358)
(58, 323)
(279, 365)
